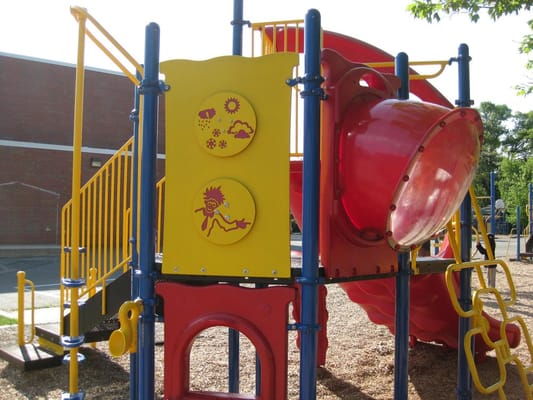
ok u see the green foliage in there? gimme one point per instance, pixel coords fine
(432, 10)
(494, 118)
(526, 47)
(518, 142)
(507, 150)
(512, 183)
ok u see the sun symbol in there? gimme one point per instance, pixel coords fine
(232, 105)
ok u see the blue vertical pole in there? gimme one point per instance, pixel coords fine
(464, 379)
(237, 27)
(133, 240)
(233, 335)
(401, 67)
(401, 352)
(518, 229)
(492, 203)
(311, 188)
(150, 89)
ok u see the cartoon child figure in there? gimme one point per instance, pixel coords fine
(213, 199)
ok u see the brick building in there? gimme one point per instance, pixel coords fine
(37, 114)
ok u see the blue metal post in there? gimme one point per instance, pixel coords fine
(492, 202)
(464, 379)
(401, 66)
(518, 229)
(401, 352)
(237, 27)
(309, 280)
(233, 335)
(134, 116)
(150, 88)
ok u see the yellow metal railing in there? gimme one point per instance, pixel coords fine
(94, 223)
(22, 282)
(281, 30)
(104, 226)
(82, 16)
(160, 196)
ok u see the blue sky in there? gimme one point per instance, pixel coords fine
(200, 29)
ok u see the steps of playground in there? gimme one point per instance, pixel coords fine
(50, 333)
(48, 352)
(432, 265)
(30, 357)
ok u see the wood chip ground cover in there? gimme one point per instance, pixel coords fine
(360, 361)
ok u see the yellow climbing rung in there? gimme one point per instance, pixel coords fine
(481, 327)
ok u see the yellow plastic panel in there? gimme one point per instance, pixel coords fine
(227, 166)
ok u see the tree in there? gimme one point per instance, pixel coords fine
(430, 11)
(518, 142)
(512, 182)
(516, 169)
(494, 119)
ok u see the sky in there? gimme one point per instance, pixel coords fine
(201, 29)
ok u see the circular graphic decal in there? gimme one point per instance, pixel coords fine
(224, 211)
(225, 124)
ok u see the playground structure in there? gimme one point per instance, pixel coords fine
(384, 187)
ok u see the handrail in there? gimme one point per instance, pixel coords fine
(22, 282)
(81, 13)
(160, 196)
(97, 203)
(413, 77)
(268, 47)
(104, 225)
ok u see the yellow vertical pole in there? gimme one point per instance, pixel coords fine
(76, 185)
(21, 278)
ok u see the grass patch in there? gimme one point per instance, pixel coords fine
(7, 321)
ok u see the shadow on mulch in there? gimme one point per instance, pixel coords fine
(433, 373)
(98, 375)
(342, 389)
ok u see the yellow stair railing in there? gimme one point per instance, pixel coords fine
(104, 226)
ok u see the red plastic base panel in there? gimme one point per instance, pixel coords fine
(260, 314)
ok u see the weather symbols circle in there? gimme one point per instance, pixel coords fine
(224, 211)
(225, 124)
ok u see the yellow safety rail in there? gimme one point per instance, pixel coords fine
(82, 16)
(104, 223)
(160, 197)
(414, 77)
(22, 282)
(79, 212)
(281, 29)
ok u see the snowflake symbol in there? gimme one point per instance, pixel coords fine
(222, 144)
(216, 132)
(232, 105)
(211, 143)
